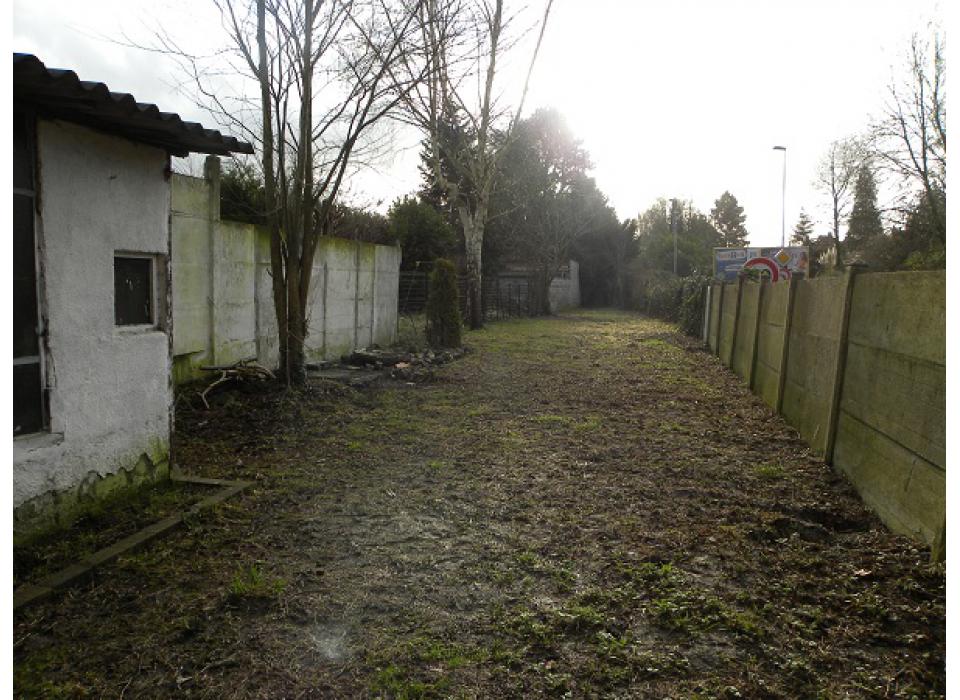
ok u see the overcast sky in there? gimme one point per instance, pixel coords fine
(674, 99)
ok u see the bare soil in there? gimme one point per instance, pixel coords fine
(583, 506)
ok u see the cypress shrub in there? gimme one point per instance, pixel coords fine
(443, 306)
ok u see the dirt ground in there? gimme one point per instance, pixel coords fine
(582, 506)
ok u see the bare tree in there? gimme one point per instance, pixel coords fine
(461, 113)
(325, 76)
(836, 175)
(910, 140)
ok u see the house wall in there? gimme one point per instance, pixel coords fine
(858, 365)
(223, 294)
(109, 390)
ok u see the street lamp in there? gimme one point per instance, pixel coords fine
(783, 215)
(673, 230)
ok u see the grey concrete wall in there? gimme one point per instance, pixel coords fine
(742, 360)
(223, 296)
(891, 437)
(728, 314)
(108, 385)
(814, 344)
(864, 382)
(773, 312)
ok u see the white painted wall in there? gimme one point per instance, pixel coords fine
(223, 293)
(110, 394)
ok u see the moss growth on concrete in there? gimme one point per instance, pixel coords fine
(56, 510)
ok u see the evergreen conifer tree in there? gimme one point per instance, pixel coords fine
(803, 230)
(728, 218)
(865, 225)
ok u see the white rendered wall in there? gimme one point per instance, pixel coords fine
(110, 393)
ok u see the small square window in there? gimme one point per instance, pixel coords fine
(133, 290)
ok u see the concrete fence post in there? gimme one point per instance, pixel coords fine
(736, 321)
(356, 295)
(211, 173)
(323, 308)
(751, 370)
(706, 315)
(785, 349)
(840, 364)
(723, 286)
(373, 300)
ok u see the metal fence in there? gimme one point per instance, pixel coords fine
(504, 296)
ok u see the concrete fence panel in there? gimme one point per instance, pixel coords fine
(234, 311)
(728, 317)
(770, 341)
(713, 317)
(223, 308)
(814, 346)
(858, 365)
(742, 359)
(891, 437)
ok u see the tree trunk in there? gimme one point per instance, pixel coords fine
(473, 242)
(269, 178)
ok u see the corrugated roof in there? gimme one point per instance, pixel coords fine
(61, 94)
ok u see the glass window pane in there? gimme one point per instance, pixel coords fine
(24, 279)
(133, 291)
(22, 153)
(27, 399)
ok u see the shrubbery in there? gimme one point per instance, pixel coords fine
(671, 298)
(443, 306)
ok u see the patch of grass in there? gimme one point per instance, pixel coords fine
(551, 419)
(398, 683)
(252, 582)
(590, 424)
(579, 618)
(770, 472)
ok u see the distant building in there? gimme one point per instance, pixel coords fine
(92, 327)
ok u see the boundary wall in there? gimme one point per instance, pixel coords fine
(222, 288)
(857, 364)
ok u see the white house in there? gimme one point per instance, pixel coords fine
(92, 329)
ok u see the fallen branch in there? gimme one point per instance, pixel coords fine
(239, 371)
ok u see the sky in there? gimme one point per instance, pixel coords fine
(683, 99)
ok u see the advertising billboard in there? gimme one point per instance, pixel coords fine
(777, 263)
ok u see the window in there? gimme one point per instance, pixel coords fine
(29, 408)
(133, 287)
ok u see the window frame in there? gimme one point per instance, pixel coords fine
(28, 118)
(156, 269)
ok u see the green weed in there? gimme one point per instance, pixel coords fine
(252, 582)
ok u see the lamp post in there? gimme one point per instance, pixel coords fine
(783, 215)
(673, 230)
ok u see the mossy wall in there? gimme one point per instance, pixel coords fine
(864, 381)
(58, 509)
